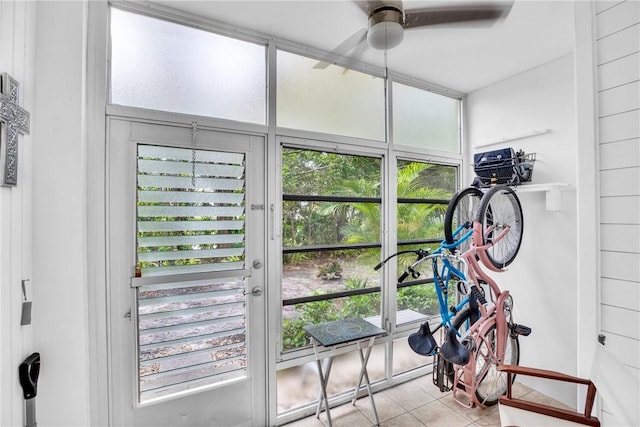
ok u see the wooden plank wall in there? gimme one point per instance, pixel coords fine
(618, 61)
(618, 79)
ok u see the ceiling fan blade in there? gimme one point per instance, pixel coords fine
(475, 13)
(357, 53)
(343, 48)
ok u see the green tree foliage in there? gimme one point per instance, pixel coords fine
(310, 222)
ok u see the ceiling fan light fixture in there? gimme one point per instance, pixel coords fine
(385, 35)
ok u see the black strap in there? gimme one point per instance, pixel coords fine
(28, 372)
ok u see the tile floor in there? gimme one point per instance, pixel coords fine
(416, 403)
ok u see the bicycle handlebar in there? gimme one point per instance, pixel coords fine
(421, 253)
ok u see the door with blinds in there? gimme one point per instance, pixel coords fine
(186, 255)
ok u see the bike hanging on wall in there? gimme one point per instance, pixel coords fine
(481, 229)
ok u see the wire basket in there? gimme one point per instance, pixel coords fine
(503, 166)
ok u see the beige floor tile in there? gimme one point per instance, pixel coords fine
(518, 390)
(404, 420)
(426, 383)
(307, 422)
(537, 397)
(437, 414)
(409, 395)
(418, 403)
(472, 414)
(386, 407)
(346, 416)
(492, 419)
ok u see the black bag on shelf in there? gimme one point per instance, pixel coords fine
(503, 166)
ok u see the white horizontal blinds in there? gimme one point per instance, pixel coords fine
(190, 206)
(191, 213)
(191, 335)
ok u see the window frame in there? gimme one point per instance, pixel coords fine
(275, 136)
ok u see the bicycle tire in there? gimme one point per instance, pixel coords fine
(461, 322)
(501, 207)
(461, 209)
(493, 383)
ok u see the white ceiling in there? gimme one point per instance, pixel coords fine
(460, 58)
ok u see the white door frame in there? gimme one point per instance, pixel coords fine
(231, 400)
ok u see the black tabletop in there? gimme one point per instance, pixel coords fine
(342, 331)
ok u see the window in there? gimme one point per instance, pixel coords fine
(425, 119)
(424, 191)
(191, 203)
(331, 100)
(331, 239)
(160, 65)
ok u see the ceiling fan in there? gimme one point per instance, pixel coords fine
(387, 21)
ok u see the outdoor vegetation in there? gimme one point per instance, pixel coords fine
(331, 203)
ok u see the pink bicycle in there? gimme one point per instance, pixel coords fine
(474, 354)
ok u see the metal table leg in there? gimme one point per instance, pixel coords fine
(327, 370)
(323, 382)
(364, 359)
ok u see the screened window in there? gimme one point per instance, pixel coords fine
(332, 100)
(191, 220)
(424, 191)
(425, 119)
(160, 65)
(331, 239)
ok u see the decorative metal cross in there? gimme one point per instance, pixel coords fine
(13, 120)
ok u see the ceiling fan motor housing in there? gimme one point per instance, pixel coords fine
(385, 27)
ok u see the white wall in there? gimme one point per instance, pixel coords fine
(617, 27)
(17, 29)
(542, 278)
(59, 202)
(618, 60)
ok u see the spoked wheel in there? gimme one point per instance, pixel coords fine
(461, 210)
(500, 209)
(491, 383)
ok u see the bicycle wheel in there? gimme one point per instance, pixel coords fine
(460, 211)
(491, 384)
(461, 322)
(500, 208)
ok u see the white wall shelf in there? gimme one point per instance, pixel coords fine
(553, 192)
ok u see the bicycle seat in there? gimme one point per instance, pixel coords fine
(422, 342)
(452, 351)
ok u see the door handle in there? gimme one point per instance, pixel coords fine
(256, 291)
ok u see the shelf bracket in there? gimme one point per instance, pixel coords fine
(553, 193)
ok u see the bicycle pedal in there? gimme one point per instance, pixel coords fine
(521, 330)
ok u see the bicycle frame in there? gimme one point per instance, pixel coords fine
(443, 276)
(486, 346)
(467, 378)
(482, 250)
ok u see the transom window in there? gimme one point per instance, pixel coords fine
(329, 99)
(425, 119)
(161, 65)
